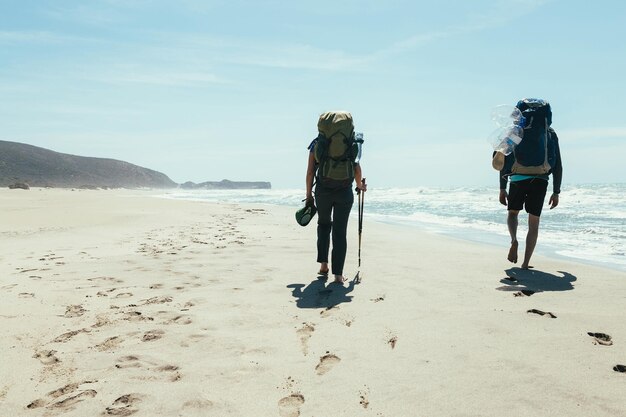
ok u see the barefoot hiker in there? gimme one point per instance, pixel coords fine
(334, 165)
(528, 169)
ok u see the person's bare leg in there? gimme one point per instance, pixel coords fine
(531, 239)
(323, 268)
(339, 279)
(512, 222)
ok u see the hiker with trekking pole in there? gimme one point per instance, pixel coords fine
(333, 166)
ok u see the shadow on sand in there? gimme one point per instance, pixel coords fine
(530, 281)
(319, 295)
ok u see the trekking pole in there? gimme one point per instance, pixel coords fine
(361, 204)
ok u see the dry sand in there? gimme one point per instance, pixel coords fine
(119, 303)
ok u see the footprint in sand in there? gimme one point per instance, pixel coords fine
(26, 295)
(179, 319)
(105, 293)
(68, 335)
(147, 369)
(108, 344)
(107, 279)
(542, 313)
(619, 368)
(129, 361)
(522, 293)
(101, 320)
(124, 295)
(363, 397)
(8, 287)
(158, 300)
(74, 311)
(327, 362)
(151, 335)
(67, 403)
(290, 406)
(124, 405)
(46, 357)
(67, 389)
(136, 316)
(392, 341)
(305, 334)
(198, 404)
(193, 339)
(601, 338)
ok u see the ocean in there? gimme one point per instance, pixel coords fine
(589, 225)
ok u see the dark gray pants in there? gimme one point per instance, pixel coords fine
(333, 211)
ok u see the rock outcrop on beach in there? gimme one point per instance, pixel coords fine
(39, 167)
(227, 185)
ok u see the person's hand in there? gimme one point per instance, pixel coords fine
(554, 201)
(503, 197)
(309, 199)
(362, 187)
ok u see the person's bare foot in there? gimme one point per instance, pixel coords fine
(527, 266)
(339, 279)
(512, 257)
(323, 269)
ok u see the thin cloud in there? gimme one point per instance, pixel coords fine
(181, 79)
(297, 56)
(502, 13)
(32, 37)
(302, 56)
(592, 133)
(204, 50)
(91, 14)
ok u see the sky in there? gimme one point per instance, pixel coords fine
(232, 89)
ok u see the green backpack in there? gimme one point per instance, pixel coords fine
(336, 149)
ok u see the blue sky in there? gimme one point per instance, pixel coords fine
(206, 90)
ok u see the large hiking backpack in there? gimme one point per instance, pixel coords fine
(536, 153)
(336, 149)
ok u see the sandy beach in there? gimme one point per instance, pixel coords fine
(115, 302)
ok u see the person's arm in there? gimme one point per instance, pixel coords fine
(358, 177)
(506, 169)
(310, 175)
(557, 173)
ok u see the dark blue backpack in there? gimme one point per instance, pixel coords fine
(536, 153)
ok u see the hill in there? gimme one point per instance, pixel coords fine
(41, 167)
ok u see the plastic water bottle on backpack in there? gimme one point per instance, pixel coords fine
(358, 136)
(510, 129)
(509, 133)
